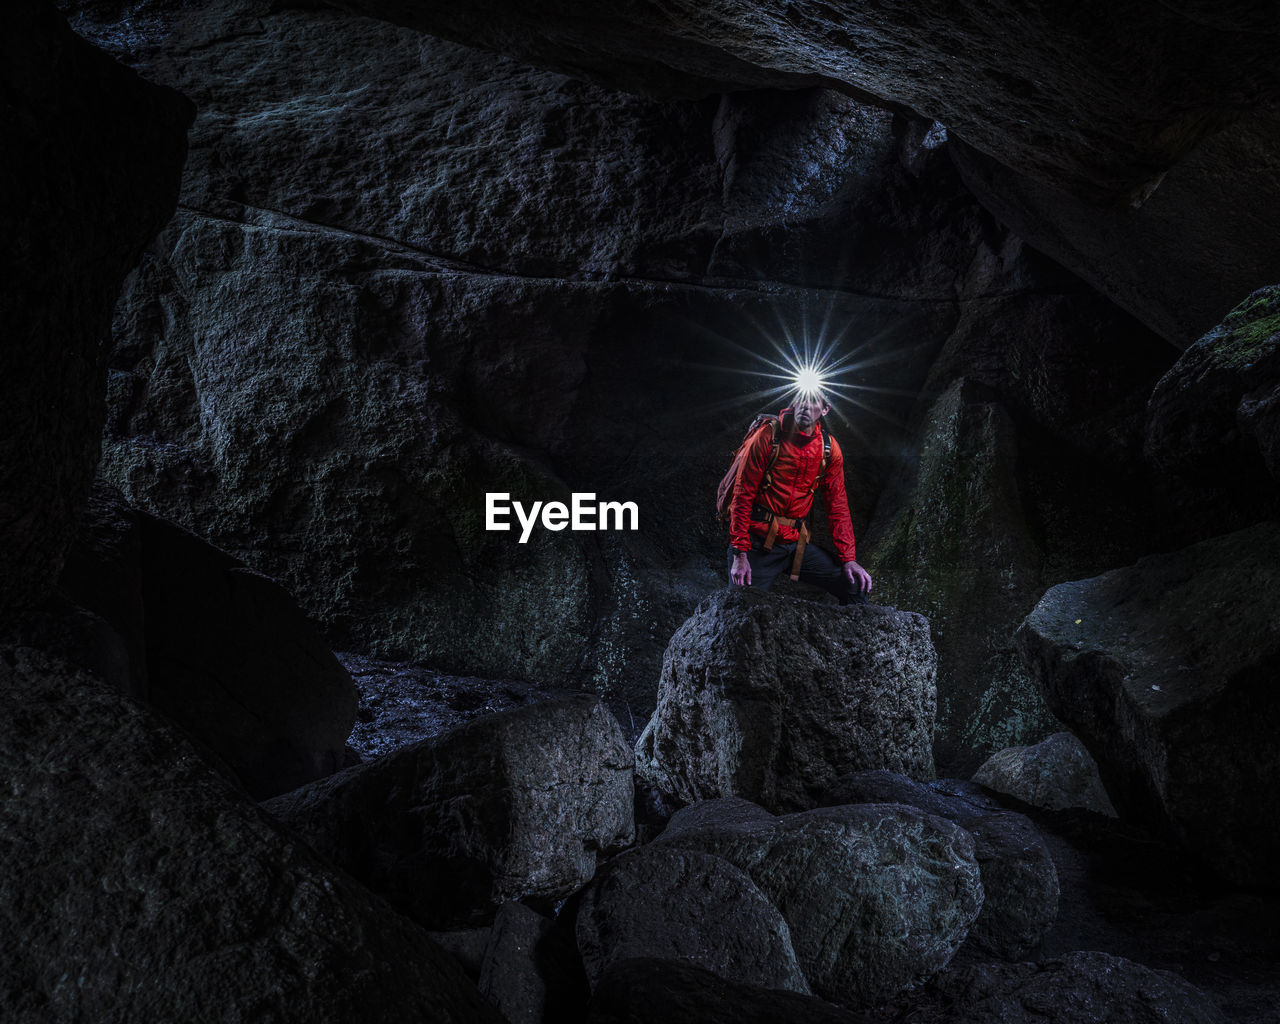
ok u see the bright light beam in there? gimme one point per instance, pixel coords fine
(808, 380)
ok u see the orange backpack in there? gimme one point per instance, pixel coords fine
(724, 493)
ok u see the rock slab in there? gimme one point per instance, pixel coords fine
(772, 698)
(140, 885)
(514, 805)
(223, 651)
(1078, 988)
(951, 539)
(1217, 411)
(674, 904)
(878, 897)
(1166, 671)
(232, 659)
(509, 976)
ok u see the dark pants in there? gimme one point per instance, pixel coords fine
(816, 567)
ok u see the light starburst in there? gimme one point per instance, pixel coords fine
(796, 359)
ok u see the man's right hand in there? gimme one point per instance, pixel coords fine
(740, 571)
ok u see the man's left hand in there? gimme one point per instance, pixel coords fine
(858, 577)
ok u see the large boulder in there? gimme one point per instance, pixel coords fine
(772, 698)
(1165, 671)
(1021, 884)
(1056, 773)
(878, 897)
(1224, 193)
(674, 904)
(1216, 413)
(1019, 879)
(1056, 95)
(515, 805)
(141, 885)
(90, 171)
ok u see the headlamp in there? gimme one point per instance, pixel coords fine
(808, 381)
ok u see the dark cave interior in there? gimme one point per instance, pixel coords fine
(291, 733)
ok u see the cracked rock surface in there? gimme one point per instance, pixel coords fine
(406, 274)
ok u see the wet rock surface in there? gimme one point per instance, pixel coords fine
(1163, 670)
(693, 908)
(772, 698)
(518, 804)
(1056, 773)
(138, 870)
(401, 703)
(878, 897)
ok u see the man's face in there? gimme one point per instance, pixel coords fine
(807, 411)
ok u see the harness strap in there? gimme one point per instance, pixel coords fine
(772, 535)
(799, 555)
(760, 514)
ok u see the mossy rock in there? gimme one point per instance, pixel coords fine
(1215, 415)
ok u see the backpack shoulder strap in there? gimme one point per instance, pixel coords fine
(775, 445)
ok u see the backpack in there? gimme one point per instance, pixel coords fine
(724, 493)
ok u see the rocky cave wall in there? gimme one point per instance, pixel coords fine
(405, 273)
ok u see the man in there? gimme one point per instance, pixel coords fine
(769, 505)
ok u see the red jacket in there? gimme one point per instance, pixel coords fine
(787, 495)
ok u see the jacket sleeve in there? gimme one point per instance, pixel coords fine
(746, 486)
(837, 500)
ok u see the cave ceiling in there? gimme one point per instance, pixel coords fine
(1096, 98)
